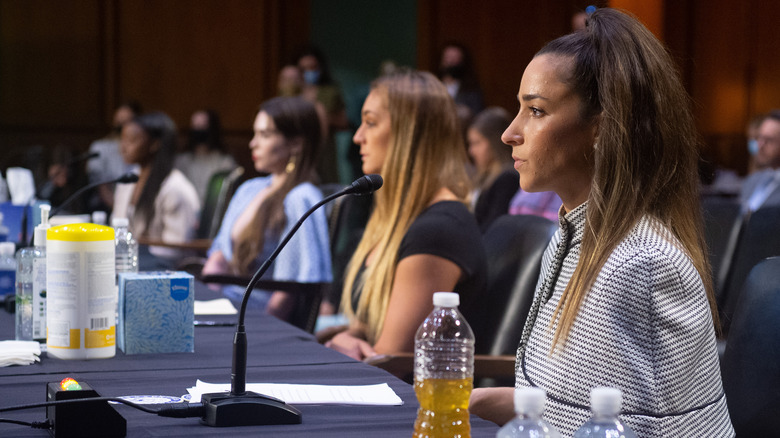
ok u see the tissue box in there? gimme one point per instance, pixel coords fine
(156, 311)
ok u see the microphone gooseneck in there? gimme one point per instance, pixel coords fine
(129, 177)
(242, 408)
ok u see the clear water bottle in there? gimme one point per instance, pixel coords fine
(99, 217)
(443, 370)
(605, 405)
(126, 246)
(3, 230)
(7, 268)
(31, 284)
(529, 405)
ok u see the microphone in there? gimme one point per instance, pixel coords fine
(129, 177)
(86, 156)
(240, 407)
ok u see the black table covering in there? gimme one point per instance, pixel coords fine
(278, 353)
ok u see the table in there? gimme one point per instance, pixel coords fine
(278, 353)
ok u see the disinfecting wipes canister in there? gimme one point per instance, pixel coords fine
(81, 292)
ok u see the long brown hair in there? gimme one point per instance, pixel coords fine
(426, 153)
(646, 153)
(295, 118)
(491, 123)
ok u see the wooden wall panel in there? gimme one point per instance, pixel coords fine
(49, 56)
(502, 36)
(67, 64)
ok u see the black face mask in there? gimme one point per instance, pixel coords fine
(456, 71)
(197, 136)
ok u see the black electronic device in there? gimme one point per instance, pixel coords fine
(240, 407)
(90, 419)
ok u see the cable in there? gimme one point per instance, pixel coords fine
(35, 424)
(183, 410)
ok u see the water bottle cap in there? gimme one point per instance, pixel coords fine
(446, 299)
(119, 222)
(7, 248)
(99, 217)
(530, 401)
(605, 400)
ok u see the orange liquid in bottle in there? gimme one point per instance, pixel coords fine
(443, 411)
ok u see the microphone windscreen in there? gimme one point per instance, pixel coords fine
(366, 184)
(127, 178)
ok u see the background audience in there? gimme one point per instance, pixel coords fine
(204, 153)
(163, 205)
(495, 181)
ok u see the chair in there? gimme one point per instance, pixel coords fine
(514, 245)
(220, 189)
(347, 218)
(751, 363)
(758, 239)
(722, 222)
(308, 296)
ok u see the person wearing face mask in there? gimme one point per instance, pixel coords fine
(320, 88)
(204, 153)
(457, 74)
(109, 164)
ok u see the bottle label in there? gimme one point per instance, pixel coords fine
(39, 298)
(93, 293)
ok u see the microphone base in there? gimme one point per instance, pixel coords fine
(251, 409)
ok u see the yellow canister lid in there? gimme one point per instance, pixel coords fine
(82, 232)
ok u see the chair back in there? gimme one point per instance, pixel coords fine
(759, 238)
(751, 363)
(514, 245)
(722, 222)
(347, 218)
(220, 189)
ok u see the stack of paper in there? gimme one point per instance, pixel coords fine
(19, 352)
(377, 395)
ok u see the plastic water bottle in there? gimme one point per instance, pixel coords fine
(443, 370)
(126, 246)
(99, 217)
(31, 284)
(3, 230)
(529, 405)
(7, 268)
(605, 405)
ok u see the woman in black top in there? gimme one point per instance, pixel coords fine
(421, 237)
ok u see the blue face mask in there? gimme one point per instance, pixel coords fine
(311, 77)
(753, 146)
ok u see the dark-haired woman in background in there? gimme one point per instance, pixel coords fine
(286, 143)
(162, 205)
(204, 153)
(624, 297)
(495, 181)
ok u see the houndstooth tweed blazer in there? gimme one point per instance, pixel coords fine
(644, 327)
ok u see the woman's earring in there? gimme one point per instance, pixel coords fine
(290, 165)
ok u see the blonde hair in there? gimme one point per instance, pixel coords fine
(425, 154)
(647, 153)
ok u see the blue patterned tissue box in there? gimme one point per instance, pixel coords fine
(156, 311)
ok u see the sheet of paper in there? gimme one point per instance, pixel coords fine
(220, 306)
(376, 395)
